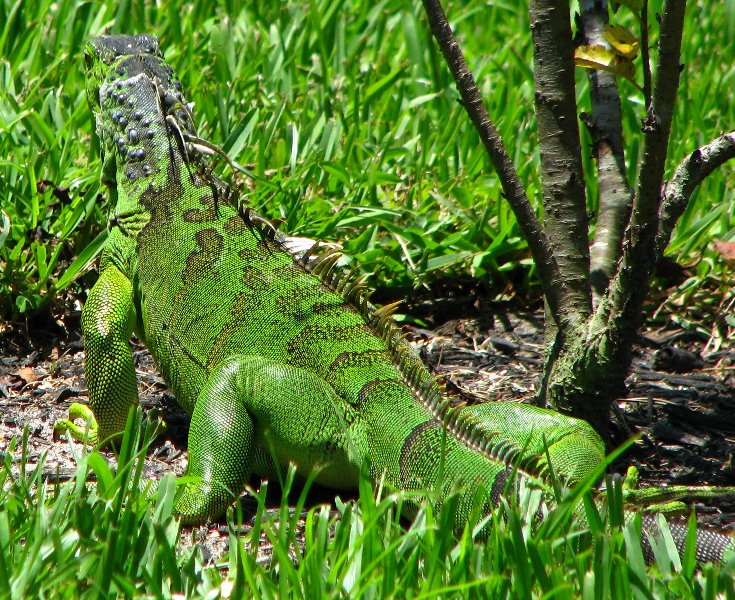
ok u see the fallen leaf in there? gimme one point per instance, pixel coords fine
(727, 249)
(605, 59)
(27, 374)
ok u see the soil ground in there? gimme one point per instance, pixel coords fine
(681, 400)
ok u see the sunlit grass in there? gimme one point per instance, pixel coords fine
(346, 113)
(108, 539)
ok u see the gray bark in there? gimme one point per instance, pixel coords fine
(605, 126)
(562, 179)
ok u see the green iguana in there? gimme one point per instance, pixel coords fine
(270, 356)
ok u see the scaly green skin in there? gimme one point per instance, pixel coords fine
(269, 357)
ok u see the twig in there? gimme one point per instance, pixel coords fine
(538, 243)
(687, 176)
(645, 55)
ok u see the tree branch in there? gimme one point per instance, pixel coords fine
(630, 285)
(657, 124)
(687, 176)
(562, 178)
(605, 127)
(645, 60)
(553, 285)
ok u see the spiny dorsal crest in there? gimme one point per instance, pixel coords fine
(323, 260)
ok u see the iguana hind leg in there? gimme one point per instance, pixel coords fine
(221, 445)
(108, 319)
(574, 447)
(247, 402)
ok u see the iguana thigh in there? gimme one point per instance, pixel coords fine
(253, 411)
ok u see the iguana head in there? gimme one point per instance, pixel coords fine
(114, 56)
(138, 107)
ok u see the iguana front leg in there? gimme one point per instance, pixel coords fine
(108, 319)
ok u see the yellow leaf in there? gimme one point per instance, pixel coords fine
(622, 40)
(604, 59)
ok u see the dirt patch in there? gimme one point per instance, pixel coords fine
(681, 401)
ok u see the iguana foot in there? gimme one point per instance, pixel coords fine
(667, 500)
(198, 502)
(89, 431)
(84, 433)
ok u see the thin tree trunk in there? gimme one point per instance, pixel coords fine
(589, 372)
(629, 288)
(605, 126)
(590, 355)
(554, 283)
(562, 178)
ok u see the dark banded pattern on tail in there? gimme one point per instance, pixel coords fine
(710, 545)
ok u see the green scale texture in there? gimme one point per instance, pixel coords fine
(272, 359)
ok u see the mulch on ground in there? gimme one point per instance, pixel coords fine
(681, 400)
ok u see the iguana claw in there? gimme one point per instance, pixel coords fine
(83, 433)
(89, 431)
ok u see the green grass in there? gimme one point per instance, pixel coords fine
(346, 113)
(109, 540)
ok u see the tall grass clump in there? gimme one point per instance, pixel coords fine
(345, 115)
(109, 539)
